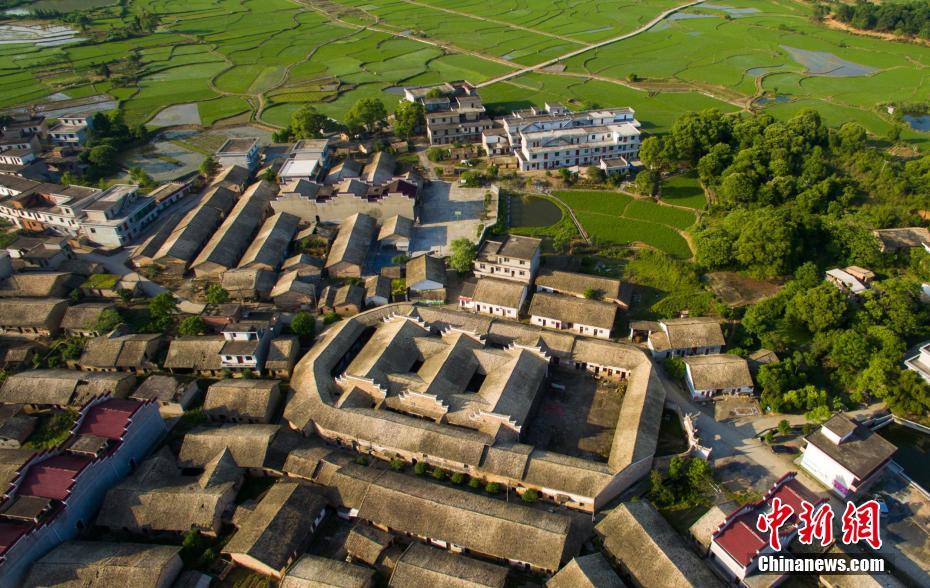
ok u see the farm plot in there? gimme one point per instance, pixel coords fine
(684, 190)
(620, 218)
(770, 48)
(579, 19)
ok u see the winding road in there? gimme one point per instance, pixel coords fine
(587, 48)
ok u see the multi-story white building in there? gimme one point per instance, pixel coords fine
(247, 341)
(118, 215)
(36, 206)
(454, 112)
(511, 258)
(845, 456)
(71, 129)
(554, 138)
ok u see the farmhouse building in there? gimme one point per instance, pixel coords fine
(587, 571)
(585, 317)
(310, 571)
(159, 497)
(271, 537)
(681, 337)
(233, 237)
(646, 547)
(891, 240)
(245, 401)
(395, 233)
(845, 456)
(239, 152)
(270, 246)
(580, 285)
(426, 278)
(343, 300)
(31, 317)
(555, 137)
(511, 258)
(71, 129)
(495, 297)
(421, 565)
(172, 394)
(455, 115)
(60, 387)
(710, 375)
(349, 252)
(846, 281)
(105, 563)
(291, 294)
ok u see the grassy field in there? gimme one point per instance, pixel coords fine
(684, 190)
(619, 218)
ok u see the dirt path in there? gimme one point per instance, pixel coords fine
(597, 45)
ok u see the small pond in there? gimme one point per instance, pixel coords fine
(913, 451)
(822, 63)
(533, 211)
(918, 123)
(778, 99)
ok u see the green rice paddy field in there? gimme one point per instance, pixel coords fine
(619, 218)
(265, 58)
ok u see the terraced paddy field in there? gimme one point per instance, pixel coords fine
(619, 218)
(263, 59)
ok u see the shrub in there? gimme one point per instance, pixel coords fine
(492, 488)
(419, 468)
(438, 474)
(474, 483)
(304, 326)
(361, 460)
(216, 294)
(192, 325)
(397, 464)
(457, 477)
(330, 317)
(530, 495)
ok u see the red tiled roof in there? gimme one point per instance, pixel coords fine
(10, 532)
(53, 477)
(741, 539)
(793, 493)
(109, 418)
(739, 536)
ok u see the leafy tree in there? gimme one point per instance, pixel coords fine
(530, 496)
(457, 478)
(191, 326)
(209, 166)
(162, 308)
(675, 367)
(408, 117)
(471, 179)
(474, 483)
(819, 309)
(108, 320)
(103, 157)
(367, 113)
(438, 474)
(653, 154)
(463, 255)
(269, 175)
(216, 294)
(492, 488)
(308, 123)
(784, 427)
(596, 174)
(304, 326)
(419, 468)
(647, 182)
(567, 176)
(769, 437)
(766, 243)
(714, 248)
